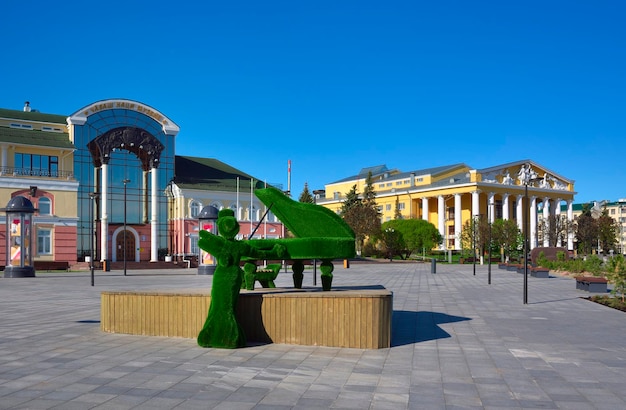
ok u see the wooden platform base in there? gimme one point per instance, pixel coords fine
(356, 317)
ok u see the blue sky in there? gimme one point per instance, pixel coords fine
(336, 86)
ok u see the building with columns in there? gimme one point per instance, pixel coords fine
(107, 178)
(449, 195)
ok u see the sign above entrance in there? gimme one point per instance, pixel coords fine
(81, 116)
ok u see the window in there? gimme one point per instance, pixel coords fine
(389, 184)
(45, 206)
(193, 246)
(451, 213)
(398, 182)
(194, 208)
(612, 211)
(36, 165)
(401, 206)
(19, 125)
(381, 185)
(44, 241)
(451, 230)
(388, 207)
(450, 243)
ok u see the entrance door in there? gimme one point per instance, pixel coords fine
(129, 251)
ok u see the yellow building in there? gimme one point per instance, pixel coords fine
(449, 195)
(37, 162)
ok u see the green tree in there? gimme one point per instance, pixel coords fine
(306, 196)
(393, 243)
(556, 228)
(369, 194)
(475, 234)
(417, 234)
(607, 231)
(397, 214)
(352, 199)
(586, 231)
(363, 217)
(506, 235)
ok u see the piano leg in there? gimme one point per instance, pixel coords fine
(298, 276)
(327, 274)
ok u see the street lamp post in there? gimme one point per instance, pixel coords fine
(92, 230)
(531, 177)
(489, 243)
(125, 181)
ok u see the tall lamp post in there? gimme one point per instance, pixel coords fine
(489, 213)
(92, 230)
(125, 181)
(529, 178)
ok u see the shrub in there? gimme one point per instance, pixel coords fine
(593, 265)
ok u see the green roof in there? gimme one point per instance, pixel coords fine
(33, 116)
(211, 174)
(36, 137)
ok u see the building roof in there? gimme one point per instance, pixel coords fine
(211, 174)
(36, 137)
(33, 116)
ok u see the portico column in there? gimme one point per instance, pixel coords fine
(557, 217)
(519, 213)
(457, 221)
(441, 219)
(546, 221)
(3, 158)
(425, 209)
(505, 206)
(154, 246)
(104, 217)
(570, 219)
(475, 204)
(490, 207)
(533, 222)
(144, 196)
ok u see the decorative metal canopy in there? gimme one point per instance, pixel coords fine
(136, 140)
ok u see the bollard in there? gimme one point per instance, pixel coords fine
(433, 265)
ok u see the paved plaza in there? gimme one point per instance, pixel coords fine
(457, 343)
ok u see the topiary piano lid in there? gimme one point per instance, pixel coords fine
(303, 219)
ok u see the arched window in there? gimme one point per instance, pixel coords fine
(45, 206)
(216, 205)
(194, 208)
(236, 211)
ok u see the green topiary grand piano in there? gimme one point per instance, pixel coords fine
(319, 234)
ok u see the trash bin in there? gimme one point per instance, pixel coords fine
(433, 265)
(106, 265)
(346, 263)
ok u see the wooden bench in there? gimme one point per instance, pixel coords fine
(539, 272)
(591, 284)
(265, 276)
(51, 265)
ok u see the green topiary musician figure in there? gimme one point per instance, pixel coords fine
(221, 328)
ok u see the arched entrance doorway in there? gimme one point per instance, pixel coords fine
(125, 245)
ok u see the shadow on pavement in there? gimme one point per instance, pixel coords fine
(414, 327)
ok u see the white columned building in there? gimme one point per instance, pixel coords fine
(475, 204)
(441, 218)
(154, 220)
(104, 217)
(519, 212)
(546, 221)
(505, 206)
(457, 221)
(533, 222)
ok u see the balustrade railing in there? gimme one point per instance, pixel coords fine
(40, 173)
